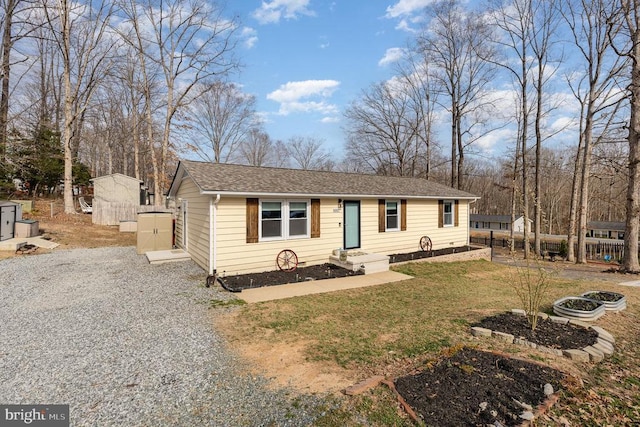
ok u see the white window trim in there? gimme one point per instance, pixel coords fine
(453, 213)
(284, 211)
(386, 214)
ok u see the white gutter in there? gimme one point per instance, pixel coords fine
(213, 210)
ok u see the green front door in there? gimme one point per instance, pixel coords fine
(351, 224)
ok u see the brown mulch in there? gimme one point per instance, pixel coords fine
(547, 333)
(476, 388)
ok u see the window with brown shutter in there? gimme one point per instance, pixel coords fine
(315, 218)
(252, 220)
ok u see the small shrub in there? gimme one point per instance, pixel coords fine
(564, 249)
(531, 283)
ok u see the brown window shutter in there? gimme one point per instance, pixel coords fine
(403, 215)
(252, 220)
(440, 213)
(382, 216)
(456, 213)
(315, 218)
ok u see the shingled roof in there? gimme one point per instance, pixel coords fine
(220, 178)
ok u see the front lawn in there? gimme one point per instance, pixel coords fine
(394, 328)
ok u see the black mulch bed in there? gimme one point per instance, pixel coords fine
(580, 304)
(271, 278)
(410, 256)
(476, 388)
(547, 333)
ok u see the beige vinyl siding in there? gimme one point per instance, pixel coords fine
(235, 256)
(422, 220)
(198, 223)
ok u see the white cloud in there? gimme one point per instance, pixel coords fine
(305, 96)
(498, 137)
(270, 12)
(393, 54)
(406, 8)
(250, 37)
(330, 120)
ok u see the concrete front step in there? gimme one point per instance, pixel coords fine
(369, 263)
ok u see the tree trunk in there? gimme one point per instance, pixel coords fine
(571, 232)
(584, 186)
(5, 73)
(630, 261)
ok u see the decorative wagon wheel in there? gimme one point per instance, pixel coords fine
(287, 260)
(425, 243)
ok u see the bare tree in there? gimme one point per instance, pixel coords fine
(383, 129)
(625, 23)
(221, 118)
(80, 32)
(307, 153)
(187, 42)
(598, 91)
(455, 42)
(256, 149)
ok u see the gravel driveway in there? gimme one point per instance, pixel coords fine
(125, 343)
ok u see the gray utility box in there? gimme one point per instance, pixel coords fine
(27, 228)
(155, 231)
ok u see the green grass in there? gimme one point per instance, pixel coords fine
(367, 329)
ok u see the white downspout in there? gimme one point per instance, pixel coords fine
(213, 210)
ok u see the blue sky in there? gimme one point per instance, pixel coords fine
(305, 60)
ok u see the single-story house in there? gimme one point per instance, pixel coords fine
(235, 219)
(498, 222)
(605, 229)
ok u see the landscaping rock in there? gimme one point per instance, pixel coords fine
(604, 334)
(559, 320)
(577, 355)
(508, 338)
(363, 386)
(477, 331)
(595, 355)
(548, 389)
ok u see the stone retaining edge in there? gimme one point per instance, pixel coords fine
(604, 347)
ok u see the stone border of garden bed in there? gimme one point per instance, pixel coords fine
(604, 347)
(472, 255)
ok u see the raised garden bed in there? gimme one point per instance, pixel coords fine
(548, 333)
(418, 255)
(579, 308)
(612, 301)
(277, 277)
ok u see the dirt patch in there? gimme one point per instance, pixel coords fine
(474, 388)
(286, 365)
(71, 231)
(547, 333)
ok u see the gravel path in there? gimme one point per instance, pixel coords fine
(125, 343)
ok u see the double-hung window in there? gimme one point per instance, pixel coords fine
(284, 219)
(392, 215)
(447, 213)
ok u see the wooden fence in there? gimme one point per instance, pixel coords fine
(609, 251)
(112, 213)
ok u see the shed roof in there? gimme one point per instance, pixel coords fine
(8, 203)
(116, 176)
(490, 218)
(214, 178)
(606, 225)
